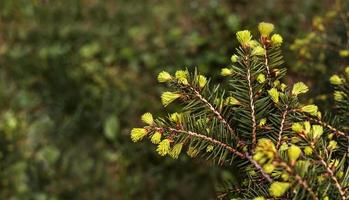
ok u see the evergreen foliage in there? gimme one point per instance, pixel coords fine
(282, 148)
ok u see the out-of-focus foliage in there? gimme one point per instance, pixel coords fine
(76, 74)
(323, 48)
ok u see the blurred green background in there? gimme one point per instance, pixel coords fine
(75, 75)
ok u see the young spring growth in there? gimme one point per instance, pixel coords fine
(163, 147)
(258, 51)
(265, 28)
(253, 44)
(297, 127)
(147, 118)
(261, 78)
(192, 152)
(181, 74)
(276, 40)
(317, 131)
(268, 168)
(169, 97)
(164, 77)
(234, 58)
(175, 117)
(332, 145)
(156, 138)
(293, 153)
(202, 81)
(231, 101)
(307, 127)
(226, 72)
(344, 53)
(308, 150)
(265, 151)
(338, 95)
(209, 148)
(277, 189)
(311, 109)
(262, 122)
(176, 150)
(244, 37)
(285, 176)
(336, 80)
(299, 88)
(274, 95)
(138, 134)
(259, 198)
(283, 87)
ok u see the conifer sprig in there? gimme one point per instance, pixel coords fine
(283, 148)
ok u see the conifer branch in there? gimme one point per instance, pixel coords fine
(284, 114)
(216, 112)
(266, 62)
(333, 177)
(266, 176)
(253, 115)
(298, 178)
(335, 130)
(204, 137)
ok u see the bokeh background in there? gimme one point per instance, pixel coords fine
(75, 75)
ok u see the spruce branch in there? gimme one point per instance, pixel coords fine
(286, 150)
(253, 115)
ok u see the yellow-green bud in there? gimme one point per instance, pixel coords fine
(332, 145)
(163, 147)
(262, 122)
(311, 109)
(259, 198)
(192, 152)
(283, 87)
(209, 148)
(176, 150)
(285, 176)
(234, 58)
(226, 72)
(299, 88)
(202, 81)
(297, 127)
(138, 134)
(169, 97)
(307, 126)
(253, 44)
(274, 95)
(276, 40)
(258, 51)
(268, 168)
(344, 53)
(265, 28)
(340, 174)
(182, 74)
(338, 95)
(308, 150)
(243, 37)
(147, 118)
(317, 131)
(336, 80)
(156, 138)
(277, 189)
(293, 152)
(183, 81)
(176, 117)
(164, 77)
(231, 101)
(261, 78)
